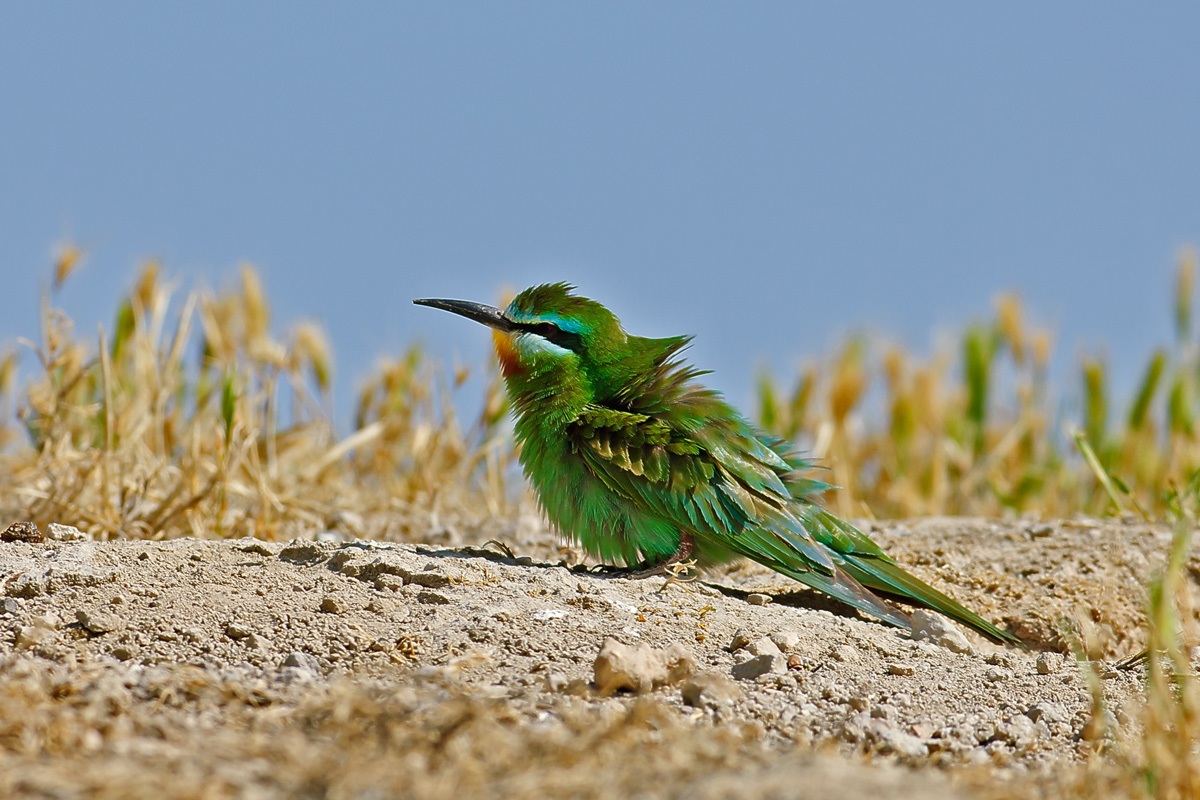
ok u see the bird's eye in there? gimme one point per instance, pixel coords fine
(547, 330)
(554, 334)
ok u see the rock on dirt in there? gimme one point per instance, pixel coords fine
(930, 627)
(640, 668)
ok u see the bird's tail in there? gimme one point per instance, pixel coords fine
(851, 591)
(847, 589)
(887, 577)
(785, 551)
(880, 573)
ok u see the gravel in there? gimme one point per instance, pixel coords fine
(542, 644)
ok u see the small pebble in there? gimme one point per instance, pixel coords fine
(710, 690)
(430, 580)
(924, 730)
(927, 626)
(123, 652)
(50, 622)
(300, 551)
(1048, 712)
(33, 636)
(760, 665)
(786, 682)
(235, 630)
(1049, 663)
(302, 660)
(844, 653)
(996, 674)
(740, 639)
(890, 739)
(22, 532)
(333, 605)
(900, 668)
(785, 640)
(97, 621)
(249, 544)
(388, 582)
(763, 647)
(758, 599)
(64, 533)
(547, 614)
(1018, 730)
(640, 668)
(887, 711)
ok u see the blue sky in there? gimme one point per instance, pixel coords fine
(767, 176)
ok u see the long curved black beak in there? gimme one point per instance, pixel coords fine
(487, 315)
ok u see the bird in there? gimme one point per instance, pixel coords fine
(641, 465)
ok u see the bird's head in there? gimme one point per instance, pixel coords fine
(551, 341)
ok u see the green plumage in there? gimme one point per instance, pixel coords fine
(642, 465)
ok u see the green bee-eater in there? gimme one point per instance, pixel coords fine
(640, 464)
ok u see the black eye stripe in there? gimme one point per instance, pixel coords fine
(553, 333)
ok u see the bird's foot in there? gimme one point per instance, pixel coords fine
(677, 568)
(682, 570)
(679, 573)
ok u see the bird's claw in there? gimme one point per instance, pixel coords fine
(679, 573)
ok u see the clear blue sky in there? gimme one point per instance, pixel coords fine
(765, 175)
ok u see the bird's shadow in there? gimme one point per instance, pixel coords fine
(799, 597)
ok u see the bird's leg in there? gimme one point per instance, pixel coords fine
(680, 562)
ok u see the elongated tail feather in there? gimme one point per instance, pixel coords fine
(851, 592)
(868, 564)
(887, 577)
(838, 583)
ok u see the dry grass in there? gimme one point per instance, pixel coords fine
(982, 431)
(1164, 763)
(189, 417)
(193, 419)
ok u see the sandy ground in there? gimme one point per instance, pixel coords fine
(343, 668)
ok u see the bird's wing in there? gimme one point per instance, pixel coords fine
(718, 481)
(708, 481)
